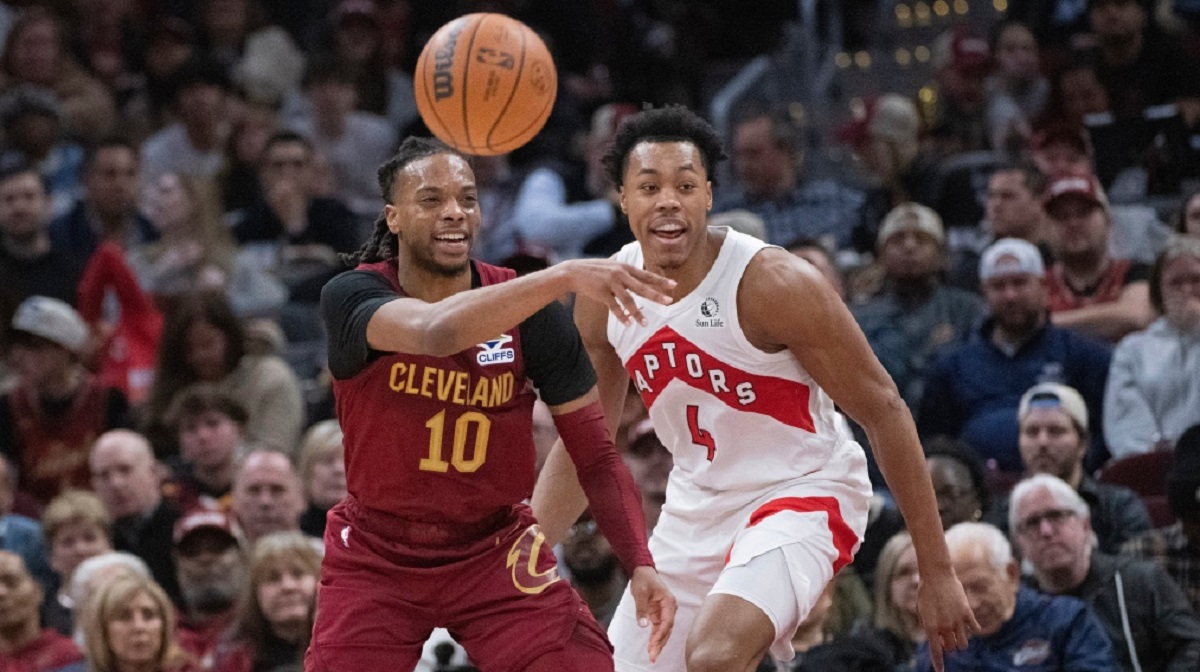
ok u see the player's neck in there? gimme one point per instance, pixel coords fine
(429, 285)
(691, 273)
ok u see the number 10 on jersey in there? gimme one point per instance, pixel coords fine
(458, 453)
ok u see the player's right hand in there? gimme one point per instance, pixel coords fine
(615, 284)
(655, 607)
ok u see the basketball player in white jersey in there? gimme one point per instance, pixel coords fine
(768, 495)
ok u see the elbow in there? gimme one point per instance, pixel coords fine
(438, 338)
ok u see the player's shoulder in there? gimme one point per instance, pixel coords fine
(773, 271)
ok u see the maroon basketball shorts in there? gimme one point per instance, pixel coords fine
(498, 593)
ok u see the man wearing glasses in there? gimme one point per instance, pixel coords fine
(1144, 613)
(1054, 438)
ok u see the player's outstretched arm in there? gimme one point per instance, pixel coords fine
(558, 499)
(459, 321)
(785, 303)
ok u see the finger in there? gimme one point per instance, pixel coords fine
(630, 305)
(963, 635)
(935, 654)
(975, 627)
(617, 310)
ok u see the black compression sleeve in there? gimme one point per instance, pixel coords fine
(347, 303)
(555, 359)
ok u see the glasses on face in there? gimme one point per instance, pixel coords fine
(1034, 523)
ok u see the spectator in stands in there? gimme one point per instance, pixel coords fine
(322, 468)
(547, 217)
(24, 644)
(170, 44)
(1139, 69)
(886, 140)
(1075, 93)
(1187, 220)
(193, 144)
(56, 409)
(195, 250)
(209, 424)
(275, 614)
(353, 142)
(1017, 91)
(1176, 548)
(1090, 291)
(961, 63)
(593, 568)
(1054, 441)
(131, 626)
(914, 314)
(261, 59)
(768, 163)
(650, 463)
(35, 52)
(29, 261)
(1017, 625)
(973, 390)
(204, 342)
(212, 575)
(1012, 209)
(1153, 390)
(267, 495)
(76, 527)
(31, 119)
(1144, 613)
(813, 252)
(959, 482)
(358, 46)
(108, 210)
(125, 476)
(93, 574)
(895, 633)
(20, 534)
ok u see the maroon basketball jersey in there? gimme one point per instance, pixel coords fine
(440, 438)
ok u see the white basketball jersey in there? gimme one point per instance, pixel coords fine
(739, 422)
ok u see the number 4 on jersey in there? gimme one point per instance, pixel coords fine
(700, 437)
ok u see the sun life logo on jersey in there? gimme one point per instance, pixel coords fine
(710, 309)
(494, 352)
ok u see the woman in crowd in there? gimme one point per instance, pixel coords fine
(959, 481)
(275, 615)
(77, 527)
(197, 251)
(130, 627)
(1153, 390)
(204, 342)
(322, 469)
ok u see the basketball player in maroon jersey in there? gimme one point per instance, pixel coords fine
(434, 358)
(768, 493)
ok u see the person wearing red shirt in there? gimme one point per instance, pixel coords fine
(24, 645)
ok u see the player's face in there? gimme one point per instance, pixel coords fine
(436, 213)
(666, 194)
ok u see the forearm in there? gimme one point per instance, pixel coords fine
(893, 438)
(611, 492)
(464, 318)
(1108, 321)
(558, 499)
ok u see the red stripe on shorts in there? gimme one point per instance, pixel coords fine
(843, 537)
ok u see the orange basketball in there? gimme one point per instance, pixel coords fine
(485, 84)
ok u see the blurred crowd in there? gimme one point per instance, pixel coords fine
(1018, 238)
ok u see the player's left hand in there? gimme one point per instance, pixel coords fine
(655, 607)
(945, 614)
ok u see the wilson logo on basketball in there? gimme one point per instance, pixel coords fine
(443, 76)
(499, 59)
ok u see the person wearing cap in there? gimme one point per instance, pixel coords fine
(1053, 440)
(50, 418)
(194, 145)
(1012, 209)
(1176, 548)
(126, 477)
(915, 313)
(212, 571)
(768, 164)
(30, 262)
(1153, 391)
(973, 389)
(957, 118)
(1089, 290)
(1144, 613)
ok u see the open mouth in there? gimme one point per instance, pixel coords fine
(669, 231)
(451, 241)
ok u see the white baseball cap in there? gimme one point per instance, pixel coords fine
(1011, 256)
(912, 217)
(1055, 395)
(53, 320)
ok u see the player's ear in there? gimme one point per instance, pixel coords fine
(392, 214)
(621, 198)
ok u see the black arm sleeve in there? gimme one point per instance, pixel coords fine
(347, 303)
(555, 359)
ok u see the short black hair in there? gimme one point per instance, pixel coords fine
(674, 123)
(108, 142)
(280, 137)
(202, 398)
(1035, 180)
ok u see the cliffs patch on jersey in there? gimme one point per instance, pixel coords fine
(495, 352)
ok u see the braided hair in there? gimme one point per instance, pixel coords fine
(383, 244)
